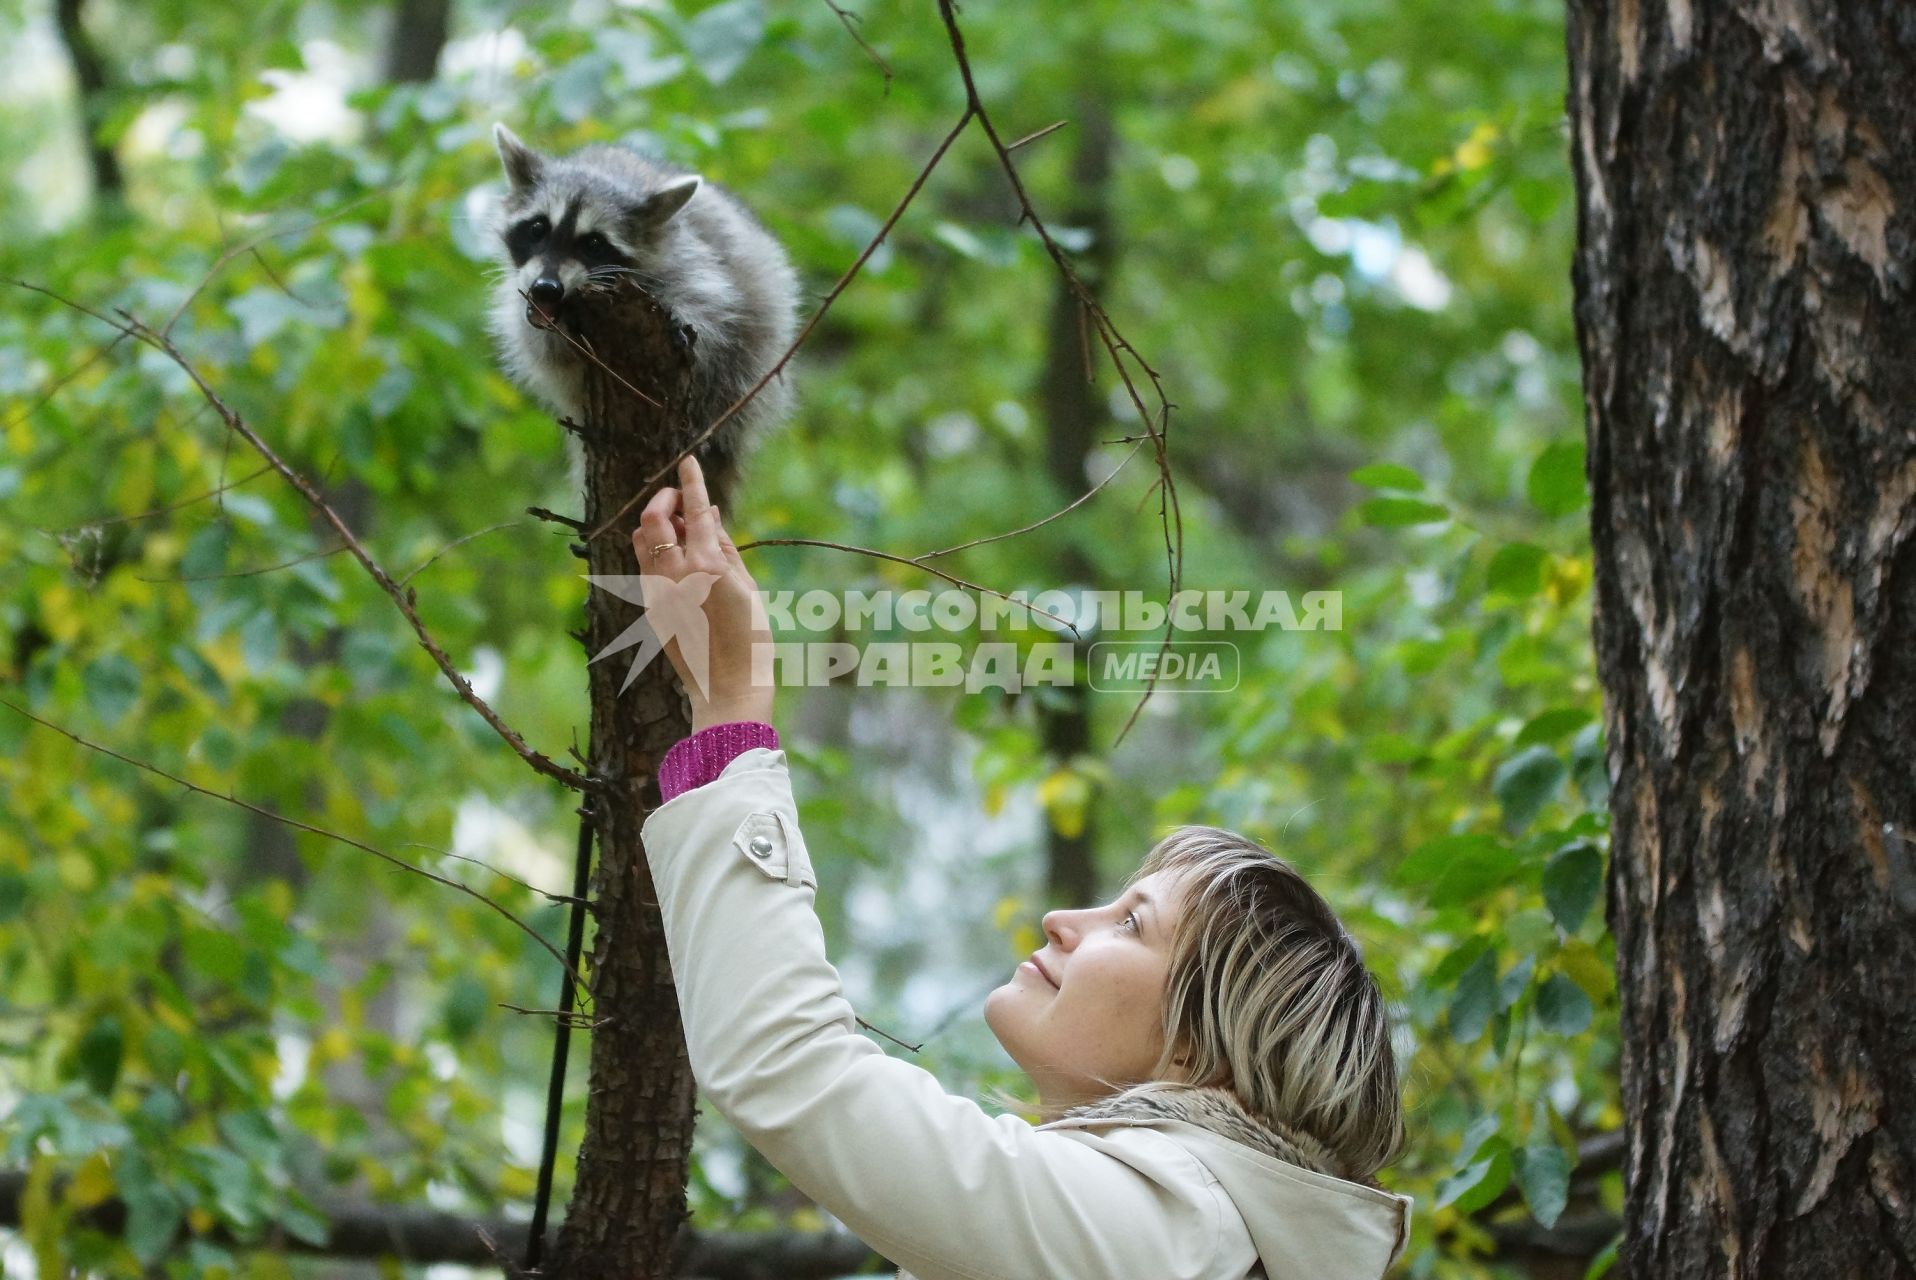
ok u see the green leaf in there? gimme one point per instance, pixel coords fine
(1393, 513)
(1562, 1006)
(13, 894)
(466, 1006)
(1572, 881)
(1543, 1175)
(1457, 869)
(1475, 999)
(1524, 783)
(1538, 198)
(1462, 957)
(1388, 475)
(722, 37)
(1480, 1182)
(1517, 570)
(1512, 985)
(153, 1212)
(112, 686)
(1556, 486)
(1550, 726)
(98, 1055)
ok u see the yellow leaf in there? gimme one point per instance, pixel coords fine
(92, 1184)
(1008, 907)
(60, 611)
(333, 1046)
(994, 799)
(200, 1220)
(76, 873)
(1474, 152)
(1026, 939)
(1567, 579)
(1066, 795)
(172, 1019)
(1586, 968)
(516, 1183)
(1236, 102)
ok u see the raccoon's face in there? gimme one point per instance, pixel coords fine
(569, 227)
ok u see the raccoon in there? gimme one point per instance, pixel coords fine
(583, 221)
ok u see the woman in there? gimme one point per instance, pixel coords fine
(1212, 1058)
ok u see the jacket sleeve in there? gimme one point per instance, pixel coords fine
(925, 1177)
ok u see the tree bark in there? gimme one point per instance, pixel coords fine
(1073, 409)
(1745, 176)
(89, 73)
(418, 36)
(628, 1203)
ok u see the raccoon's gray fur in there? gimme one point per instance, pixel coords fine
(582, 221)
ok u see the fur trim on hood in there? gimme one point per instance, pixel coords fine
(1217, 1109)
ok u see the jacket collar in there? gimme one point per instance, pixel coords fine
(1216, 1109)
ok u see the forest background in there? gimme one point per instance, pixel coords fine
(1340, 231)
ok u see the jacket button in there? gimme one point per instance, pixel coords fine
(761, 846)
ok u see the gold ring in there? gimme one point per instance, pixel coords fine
(663, 546)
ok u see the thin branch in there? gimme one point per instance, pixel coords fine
(916, 562)
(1114, 342)
(248, 247)
(64, 380)
(557, 899)
(296, 824)
(1033, 137)
(134, 327)
(103, 521)
(480, 533)
(915, 1048)
(645, 490)
(251, 573)
(849, 19)
(1012, 533)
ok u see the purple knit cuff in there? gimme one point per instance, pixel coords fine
(695, 761)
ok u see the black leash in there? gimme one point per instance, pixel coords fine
(562, 1039)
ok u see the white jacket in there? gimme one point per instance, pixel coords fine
(1147, 1189)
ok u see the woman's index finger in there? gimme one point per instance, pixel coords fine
(692, 482)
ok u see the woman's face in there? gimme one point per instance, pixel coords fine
(1101, 1011)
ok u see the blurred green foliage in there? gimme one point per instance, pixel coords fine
(1340, 230)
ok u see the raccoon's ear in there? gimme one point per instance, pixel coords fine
(657, 209)
(523, 165)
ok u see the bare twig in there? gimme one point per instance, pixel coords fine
(65, 380)
(477, 533)
(103, 521)
(297, 825)
(248, 247)
(251, 573)
(403, 598)
(645, 490)
(915, 1048)
(1080, 500)
(850, 21)
(1033, 137)
(915, 561)
(1115, 344)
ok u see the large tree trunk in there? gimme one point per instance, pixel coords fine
(1745, 177)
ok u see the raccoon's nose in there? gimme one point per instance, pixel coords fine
(546, 291)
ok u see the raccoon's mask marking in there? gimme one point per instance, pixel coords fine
(565, 234)
(604, 215)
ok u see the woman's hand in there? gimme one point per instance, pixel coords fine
(721, 681)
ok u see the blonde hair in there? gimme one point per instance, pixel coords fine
(1268, 996)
